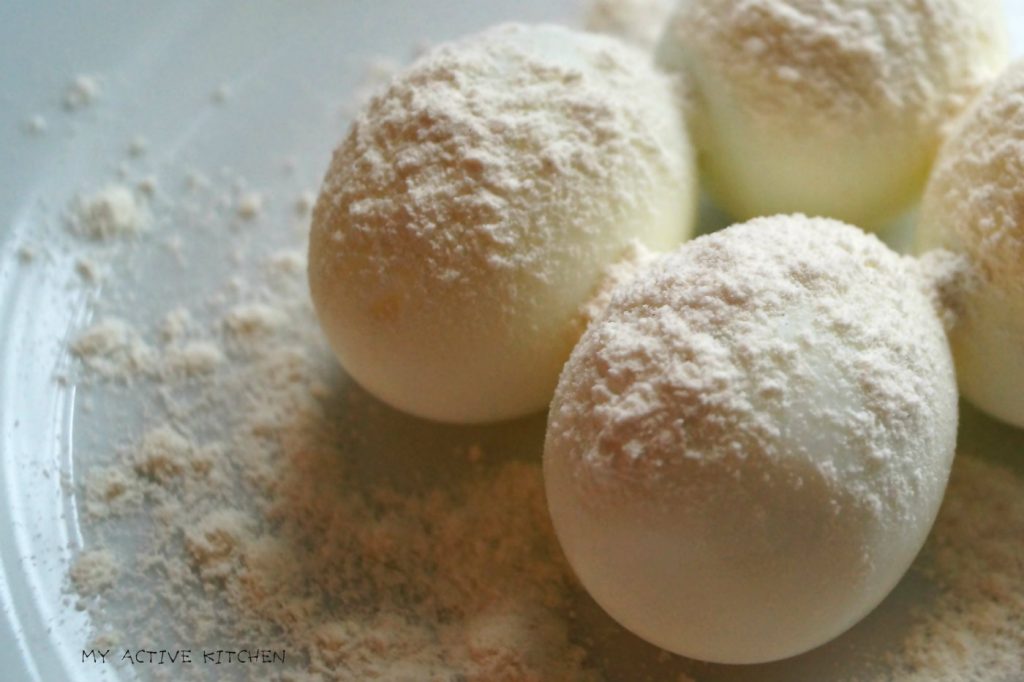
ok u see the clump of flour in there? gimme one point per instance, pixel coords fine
(93, 571)
(81, 92)
(112, 212)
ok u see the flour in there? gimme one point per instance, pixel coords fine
(89, 270)
(93, 572)
(113, 348)
(973, 198)
(973, 631)
(499, 175)
(250, 205)
(110, 213)
(256, 523)
(728, 390)
(850, 64)
(193, 358)
(876, 83)
(110, 491)
(253, 319)
(82, 92)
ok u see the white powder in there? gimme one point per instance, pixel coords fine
(973, 202)
(250, 205)
(147, 186)
(495, 158)
(498, 175)
(82, 92)
(93, 571)
(850, 64)
(270, 537)
(113, 348)
(110, 213)
(973, 630)
(253, 319)
(193, 358)
(175, 324)
(110, 491)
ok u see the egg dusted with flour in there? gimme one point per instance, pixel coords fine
(474, 206)
(974, 205)
(829, 107)
(747, 450)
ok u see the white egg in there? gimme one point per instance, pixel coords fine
(747, 450)
(474, 206)
(828, 108)
(974, 205)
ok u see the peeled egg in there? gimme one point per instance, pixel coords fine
(475, 205)
(745, 453)
(828, 108)
(974, 206)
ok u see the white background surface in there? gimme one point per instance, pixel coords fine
(288, 66)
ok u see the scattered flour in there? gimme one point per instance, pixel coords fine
(973, 630)
(93, 571)
(110, 213)
(82, 92)
(253, 319)
(193, 358)
(270, 536)
(113, 348)
(250, 205)
(89, 270)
